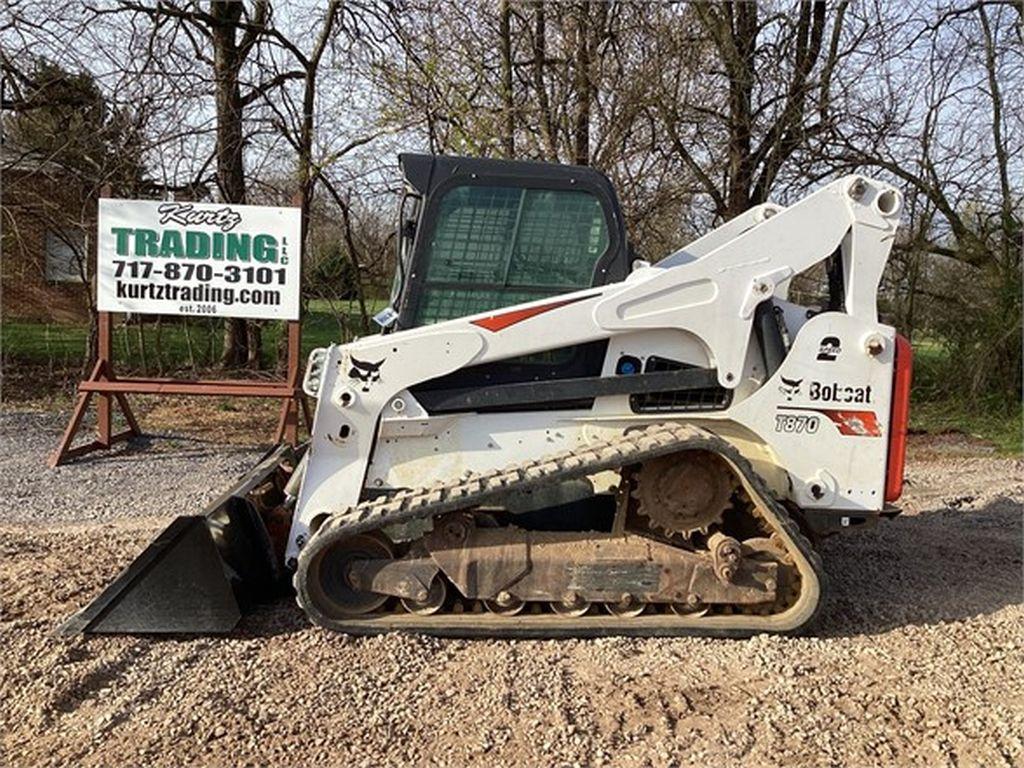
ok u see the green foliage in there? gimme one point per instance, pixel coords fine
(937, 406)
(975, 314)
(71, 124)
(329, 273)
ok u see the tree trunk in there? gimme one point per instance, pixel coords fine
(740, 66)
(547, 123)
(227, 63)
(508, 108)
(254, 344)
(581, 128)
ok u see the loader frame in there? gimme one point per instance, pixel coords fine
(371, 435)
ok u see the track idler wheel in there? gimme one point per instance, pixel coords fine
(329, 583)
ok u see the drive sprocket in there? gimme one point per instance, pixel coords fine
(684, 493)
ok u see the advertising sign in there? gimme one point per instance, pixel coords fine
(214, 259)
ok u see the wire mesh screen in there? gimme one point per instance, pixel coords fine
(497, 246)
(561, 234)
(471, 242)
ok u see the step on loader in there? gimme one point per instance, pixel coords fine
(550, 437)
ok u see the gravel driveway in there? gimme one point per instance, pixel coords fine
(919, 658)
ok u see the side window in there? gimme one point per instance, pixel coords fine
(471, 239)
(496, 246)
(561, 234)
(63, 251)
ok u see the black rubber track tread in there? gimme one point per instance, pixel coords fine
(635, 446)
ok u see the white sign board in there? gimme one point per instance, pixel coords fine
(174, 258)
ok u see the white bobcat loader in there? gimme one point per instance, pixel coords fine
(550, 438)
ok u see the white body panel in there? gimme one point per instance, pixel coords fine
(816, 429)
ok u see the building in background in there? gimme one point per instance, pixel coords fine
(47, 234)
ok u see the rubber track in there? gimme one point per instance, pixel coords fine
(476, 489)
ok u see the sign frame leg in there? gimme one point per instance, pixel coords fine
(102, 371)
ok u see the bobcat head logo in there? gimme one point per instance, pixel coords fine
(790, 387)
(364, 372)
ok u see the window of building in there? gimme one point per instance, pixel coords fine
(496, 246)
(63, 251)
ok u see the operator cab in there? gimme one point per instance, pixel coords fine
(479, 234)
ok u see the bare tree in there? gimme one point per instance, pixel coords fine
(66, 140)
(695, 110)
(322, 144)
(224, 36)
(774, 67)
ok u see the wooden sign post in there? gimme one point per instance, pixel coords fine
(104, 384)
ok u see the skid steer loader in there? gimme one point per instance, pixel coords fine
(550, 437)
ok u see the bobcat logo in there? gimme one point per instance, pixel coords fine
(367, 373)
(790, 387)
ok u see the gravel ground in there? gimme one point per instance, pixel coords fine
(87, 490)
(919, 658)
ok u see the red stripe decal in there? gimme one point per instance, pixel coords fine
(853, 423)
(495, 323)
(859, 423)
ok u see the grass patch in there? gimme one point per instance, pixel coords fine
(43, 342)
(935, 407)
(176, 343)
(1001, 427)
(194, 344)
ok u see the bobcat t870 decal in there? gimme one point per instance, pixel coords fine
(854, 423)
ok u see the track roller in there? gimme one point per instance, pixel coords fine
(434, 601)
(627, 608)
(504, 604)
(572, 606)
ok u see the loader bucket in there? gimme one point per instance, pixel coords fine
(203, 571)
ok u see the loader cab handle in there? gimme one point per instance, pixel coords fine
(405, 238)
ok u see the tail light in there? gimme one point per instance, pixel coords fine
(899, 416)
